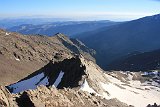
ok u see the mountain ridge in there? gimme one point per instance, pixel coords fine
(21, 51)
(118, 40)
(138, 62)
(68, 28)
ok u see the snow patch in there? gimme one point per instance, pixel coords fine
(17, 59)
(44, 81)
(7, 33)
(155, 84)
(151, 83)
(135, 93)
(150, 73)
(30, 83)
(86, 87)
(131, 96)
(130, 77)
(156, 73)
(59, 78)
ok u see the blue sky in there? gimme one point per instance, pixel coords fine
(80, 9)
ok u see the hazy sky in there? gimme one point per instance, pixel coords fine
(80, 9)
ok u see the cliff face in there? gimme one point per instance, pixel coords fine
(66, 73)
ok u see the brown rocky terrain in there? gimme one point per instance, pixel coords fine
(21, 55)
(71, 96)
(84, 84)
(51, 97)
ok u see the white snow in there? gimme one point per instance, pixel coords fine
(151, 73)
(130, 77)
(33, 82)
(86, 87)
(145, 74)
(17, 59)
(135, 94)
(7, 33)
(30, 83)
(155, 72)
(59, 78)
(151, 83)
(44, 82)
(155, 84)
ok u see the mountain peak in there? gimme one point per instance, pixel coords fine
(61, 36)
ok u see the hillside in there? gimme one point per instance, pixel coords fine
(116, 41)
(27, 53)
(69, 28)
(138, 62)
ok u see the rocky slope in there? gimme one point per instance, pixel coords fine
(51, 97)
(73, 87)
(27, 53)
(138, 62)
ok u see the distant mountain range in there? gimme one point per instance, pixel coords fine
(10, 22)
(118, 40)
(69, 28)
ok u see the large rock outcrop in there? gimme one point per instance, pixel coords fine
(66, 73)
(6, 99)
